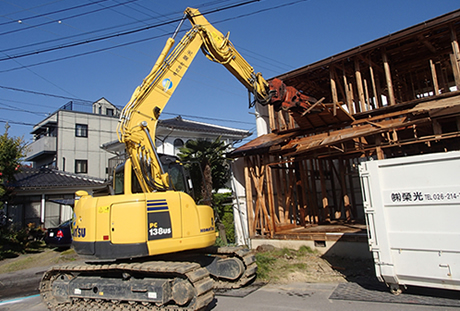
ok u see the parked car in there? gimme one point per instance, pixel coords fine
(60, 236)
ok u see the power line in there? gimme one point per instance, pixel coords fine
(144, 40)
(92, 32)
(87, 102)
(44, 94)
(84, 53)
(120, 34)
(54, 12)
(69, 17)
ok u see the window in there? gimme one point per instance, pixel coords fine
(81, 166)
(81, 130)
(109, 112)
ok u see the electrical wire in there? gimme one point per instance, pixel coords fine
(53, 12)
(120, 34)
(84, 102)
(68, 17)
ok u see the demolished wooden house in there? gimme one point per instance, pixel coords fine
(395, 96)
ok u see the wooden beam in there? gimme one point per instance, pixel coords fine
(347, 94)
(281, 120)
(366, 92)
(343, 186)
(378, 148)
(434, 77)
(314, 196)
(306, 191)
(455, 70)
(249, 205)
(334, 197)
(313, 106)
(386, 66)
(374, 88)
(349, 164)
(455, 56)
(270, 195)
(271, 118)
(359, 85)
(326, 213)
(335, 98)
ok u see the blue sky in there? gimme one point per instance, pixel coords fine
(274, 36)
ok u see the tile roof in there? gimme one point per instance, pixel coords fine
(179, 123)
(45, 178)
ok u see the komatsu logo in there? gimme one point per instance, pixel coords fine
(79, 232)
(208, 229)
(167, 84)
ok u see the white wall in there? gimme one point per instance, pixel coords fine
(101, 129)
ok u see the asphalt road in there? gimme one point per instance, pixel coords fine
(298, 296)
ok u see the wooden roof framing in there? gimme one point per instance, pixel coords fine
(395, 96)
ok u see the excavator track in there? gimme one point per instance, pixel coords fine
(248, 259)
(201, 280)
(186, 282)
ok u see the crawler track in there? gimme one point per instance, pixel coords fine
(196, 275)
(249, 260)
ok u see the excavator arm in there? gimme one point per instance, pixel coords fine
(138, 120)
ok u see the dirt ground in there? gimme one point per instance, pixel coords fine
(291, 268)
(42, 259)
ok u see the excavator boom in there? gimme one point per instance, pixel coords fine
(139, 118)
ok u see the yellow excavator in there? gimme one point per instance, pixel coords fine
(149, 245)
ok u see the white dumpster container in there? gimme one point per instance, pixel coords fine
(412, 207)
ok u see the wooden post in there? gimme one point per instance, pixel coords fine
(290, 198)
(354, 102)
(374, 87)
(366, 91)
(335, 98)
(326, 213)
(378, 148)
(271, 117)
(386, 66)
(434, 77)
(334, 196)
(300, 190)
(279, 195)
(347, 93)
(292, 122)
(271, 201)
(250, 206)
(455, 56)
(315, 207)
(306, 190)
(359, 84)
(282, 122)
(343, 185)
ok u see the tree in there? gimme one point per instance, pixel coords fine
(12, 150)
(212, 173)
(213, 166)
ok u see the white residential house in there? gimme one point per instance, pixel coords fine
(171, 134)
(69, 140)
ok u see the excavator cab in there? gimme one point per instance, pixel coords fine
(179, 177)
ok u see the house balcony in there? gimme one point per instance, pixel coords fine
(41, 148)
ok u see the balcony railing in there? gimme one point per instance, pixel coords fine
(44, 146)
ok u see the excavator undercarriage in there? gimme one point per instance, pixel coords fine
(152, 284)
